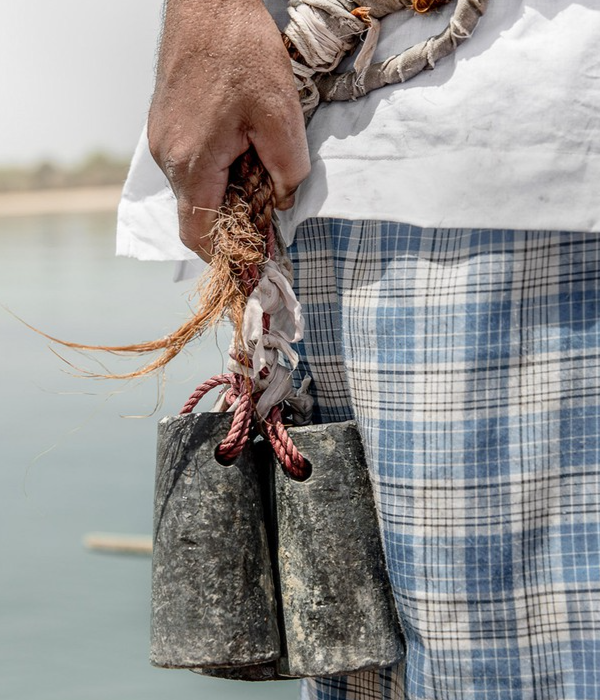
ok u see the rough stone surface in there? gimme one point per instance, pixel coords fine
(338, 611)
(213, 602)
(260, 672)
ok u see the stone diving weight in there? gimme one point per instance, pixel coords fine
(337, 607)
(213, 601)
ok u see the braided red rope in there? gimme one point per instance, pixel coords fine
(204, 388)
(231, 447)
(237, 437)
(283, 446)
(239, 432)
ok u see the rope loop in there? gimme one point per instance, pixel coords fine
(204, 388)
(291, 460)
(233, 444)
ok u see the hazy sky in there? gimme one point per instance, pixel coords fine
(75, 75)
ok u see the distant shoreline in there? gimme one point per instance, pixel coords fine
(76, 200)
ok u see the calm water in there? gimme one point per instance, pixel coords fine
(74, 459)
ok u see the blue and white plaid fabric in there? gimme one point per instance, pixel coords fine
(471, 360)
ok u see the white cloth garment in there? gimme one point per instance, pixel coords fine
(505, 133)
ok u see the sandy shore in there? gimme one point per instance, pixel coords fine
(72, 201)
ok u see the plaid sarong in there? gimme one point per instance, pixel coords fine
(471, 361)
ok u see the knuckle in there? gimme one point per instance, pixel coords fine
(155, 140)
(178, 163)
(175, 160)
(175, 166)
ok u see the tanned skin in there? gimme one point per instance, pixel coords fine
(223, 82)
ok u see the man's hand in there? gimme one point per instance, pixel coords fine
(223, 82)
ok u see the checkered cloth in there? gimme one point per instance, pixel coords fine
(471, 360)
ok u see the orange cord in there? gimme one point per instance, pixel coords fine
(423, 6)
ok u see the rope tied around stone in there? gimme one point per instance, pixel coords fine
(243, 401)
(231, 447)
(271, 321)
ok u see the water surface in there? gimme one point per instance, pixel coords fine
(74, 624)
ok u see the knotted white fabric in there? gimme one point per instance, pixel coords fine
(274, 296)
(323, 31)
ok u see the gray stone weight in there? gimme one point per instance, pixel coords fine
(213, 602)
(338, 612)
(263, 458)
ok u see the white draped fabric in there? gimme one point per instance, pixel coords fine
(503, 134)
